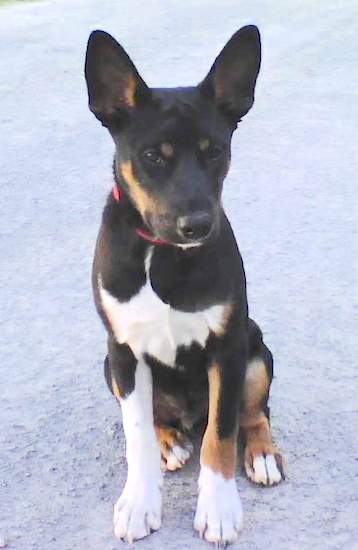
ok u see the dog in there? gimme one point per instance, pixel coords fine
(169, 286)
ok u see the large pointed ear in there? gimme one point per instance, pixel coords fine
(231, 80)
(114, 85)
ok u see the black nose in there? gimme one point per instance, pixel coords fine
(194, 227)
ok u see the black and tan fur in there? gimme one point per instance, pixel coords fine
(172, 155)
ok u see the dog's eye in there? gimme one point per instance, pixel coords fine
(214, 153)
(154, 157)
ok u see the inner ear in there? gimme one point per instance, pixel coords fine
(114, 85)
(232, 78)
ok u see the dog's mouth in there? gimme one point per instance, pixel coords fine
(150, 237)
(158, 240)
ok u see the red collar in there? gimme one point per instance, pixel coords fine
(117, 195)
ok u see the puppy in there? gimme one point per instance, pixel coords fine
(169, 285)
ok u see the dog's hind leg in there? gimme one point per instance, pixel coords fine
(263, 461)
(175, 447)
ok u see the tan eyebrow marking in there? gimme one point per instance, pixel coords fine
(167, 150)
(204, 144)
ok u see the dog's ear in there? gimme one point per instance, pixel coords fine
(232, 78)
(114, 86)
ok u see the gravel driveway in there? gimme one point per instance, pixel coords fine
(292, 199)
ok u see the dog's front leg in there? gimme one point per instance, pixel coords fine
(218, 515)
(138, 510)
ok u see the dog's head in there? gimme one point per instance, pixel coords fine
(173, 145)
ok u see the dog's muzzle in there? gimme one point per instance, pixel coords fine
(194, 227)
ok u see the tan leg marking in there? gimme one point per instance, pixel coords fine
(263, 462)
(217, 454)
(218, 516)
(175, 447)
(116, 389)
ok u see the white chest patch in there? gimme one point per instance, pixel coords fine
(148, 325)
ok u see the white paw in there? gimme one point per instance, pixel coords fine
(177, 456)
(218, 515)
(263, 470)
(138, 511)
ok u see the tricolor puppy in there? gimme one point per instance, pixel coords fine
(169, 285)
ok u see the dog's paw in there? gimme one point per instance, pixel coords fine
(218, 516)
(176, 457)
(138, 511)
(264, 469)
(175, 448)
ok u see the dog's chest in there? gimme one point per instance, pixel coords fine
(148, 325)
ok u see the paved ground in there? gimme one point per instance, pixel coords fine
(292, 199)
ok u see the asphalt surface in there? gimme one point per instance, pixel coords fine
(292, 199)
